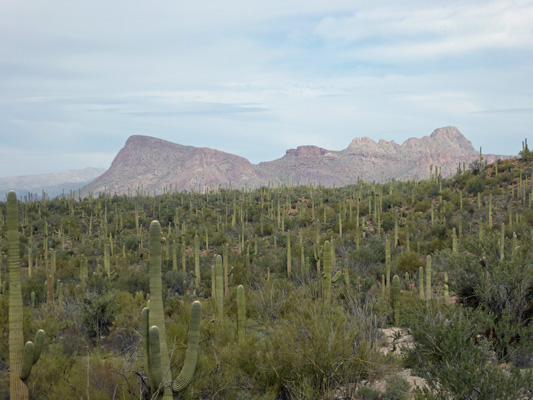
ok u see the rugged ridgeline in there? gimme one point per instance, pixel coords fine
(53, 184)
(153, 164)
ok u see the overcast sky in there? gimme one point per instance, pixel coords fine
(256, 78)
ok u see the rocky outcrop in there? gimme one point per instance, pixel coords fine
(155, 165)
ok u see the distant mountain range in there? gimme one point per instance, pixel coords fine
(155, 165)
(53, 183)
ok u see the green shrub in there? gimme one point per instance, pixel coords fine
(408, 261)
(457, 360)
(476, 185)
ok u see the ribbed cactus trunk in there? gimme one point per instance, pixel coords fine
(107, 260)
(219, 287)
(396, 299)
(174, 256)
(428, 278)
(502, 241)
(197, 278)
(346, 273)
(421, 283)
(225, 262)
(157, 316)
(183, 255)
(387, 262)
(241, 313)
(326, 277)
(454, 241)
(191, 354)
(17, 388)
(289, 256)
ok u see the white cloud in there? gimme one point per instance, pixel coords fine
(436, 30)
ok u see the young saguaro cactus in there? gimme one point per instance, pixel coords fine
(21, 358)
(156, 350)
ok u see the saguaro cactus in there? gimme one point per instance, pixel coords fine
(157, 361)
(326, 274)
(21, 358)
(154, 355)
(396, 299)
(219, 286)
(197, 278)
(156, 303)
(241, 313)
(225, 263)
(387, 262)
(289, 256)
(421, 283)
(428, 278)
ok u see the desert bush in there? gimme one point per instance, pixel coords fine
(98, 313)
(457, 360)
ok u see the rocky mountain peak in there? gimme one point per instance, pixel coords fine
(451, 139)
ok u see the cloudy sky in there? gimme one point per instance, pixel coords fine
(255, 78)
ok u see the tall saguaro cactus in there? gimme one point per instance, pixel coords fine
(156, 316)
(21, 358)
(154, 332)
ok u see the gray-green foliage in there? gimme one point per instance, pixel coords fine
(98, 313)
(457, 362)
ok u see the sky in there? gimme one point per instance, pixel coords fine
(255, 78)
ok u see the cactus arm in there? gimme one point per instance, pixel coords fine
(38, 345)
(336, 277)
(155, 357)
(191, 354)
(28, 361)
(145, 316)
(32, 352)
